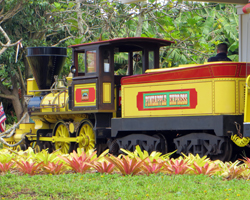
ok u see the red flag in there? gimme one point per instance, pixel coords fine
(2, 118)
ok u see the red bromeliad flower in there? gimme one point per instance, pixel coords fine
(80, 164)
(177, 167)
(4, 167)
(126, 165)
(54, 168)
(207, 169)
(28, 168)
(153, 167)
(104, 167)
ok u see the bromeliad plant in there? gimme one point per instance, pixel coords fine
(27, 167)
(6, 157)
(54, 168)
(176, 167)
(5, 167)
(80, 163)
(152, 167)
(103, 167)
(200, 161)
(207, 169)
(126, 165)
(46, 157)
(144, 154)
(233, 170)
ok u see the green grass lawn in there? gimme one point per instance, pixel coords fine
(98, 186)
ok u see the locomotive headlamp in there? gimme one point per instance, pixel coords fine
(246, 8)
(73, 69)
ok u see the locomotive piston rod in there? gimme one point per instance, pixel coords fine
(80, 139)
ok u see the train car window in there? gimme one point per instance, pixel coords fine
(151, 59)
(81, 62)
(91, 61)
(121, 63)
(137, 63)
(106, 61)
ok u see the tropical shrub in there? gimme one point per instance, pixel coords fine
(79, 163)
(126, 165)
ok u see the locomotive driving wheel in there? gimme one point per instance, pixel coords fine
(86, 132)
(62, 131)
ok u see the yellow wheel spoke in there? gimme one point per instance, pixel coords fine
(62, 132)
(86, 131)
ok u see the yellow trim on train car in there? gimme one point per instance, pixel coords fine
(214, 97)
(85, 95)
(106, 92)
(247, 100)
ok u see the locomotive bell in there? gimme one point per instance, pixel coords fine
(61, 84)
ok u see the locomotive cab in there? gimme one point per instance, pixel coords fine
(97, 72)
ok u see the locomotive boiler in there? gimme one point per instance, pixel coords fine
(193, 108)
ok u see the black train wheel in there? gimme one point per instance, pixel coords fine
(227, 149)
(162, 146)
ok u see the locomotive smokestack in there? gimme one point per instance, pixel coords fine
(45, 63)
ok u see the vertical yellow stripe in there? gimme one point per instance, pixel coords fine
(106, 92)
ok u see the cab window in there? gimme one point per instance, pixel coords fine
(121, 63)
(81, 62)
(91, 61)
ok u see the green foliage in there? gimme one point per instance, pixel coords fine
(10, 120)
(196, 28)
(46, 157)
(5, 156)
(138, 153)
(197, 159)
(97, 186)
(56, 163)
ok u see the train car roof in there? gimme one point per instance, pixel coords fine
(133, 41)
(188, 72)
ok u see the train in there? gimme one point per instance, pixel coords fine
(193, 108)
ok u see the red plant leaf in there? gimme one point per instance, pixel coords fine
(28, 168)
(126, 165)
(54, 168)
(4, 167)
(176, 167)
(103, 167)
(80, 164)
(153, 167)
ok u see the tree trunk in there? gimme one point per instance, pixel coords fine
(79, 18)
(17, 107)
(140, 22)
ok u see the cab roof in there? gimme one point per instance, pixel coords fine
(131, 41)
